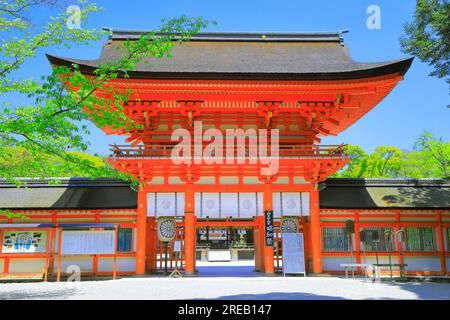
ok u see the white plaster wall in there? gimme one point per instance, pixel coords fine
(85, 264)
(125, 264)
(381, 259)
(248, 204)
(26, 265)
(210, 205)
(333, 263)
(229, 204)
(207, 204)
(291, 204)
(423, 263)
(164, 204)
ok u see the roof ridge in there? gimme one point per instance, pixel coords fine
(64, 182)
(260, 36)
(388, 181)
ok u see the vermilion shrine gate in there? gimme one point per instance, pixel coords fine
(306, 85)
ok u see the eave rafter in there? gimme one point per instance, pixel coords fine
(325, 107)
(313, 170)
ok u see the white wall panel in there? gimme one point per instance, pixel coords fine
(305, 204)
(423, 263)
(260, 204)
(381, 259)
(127, 264)
(210, 205)
(198, 204)
(276, 204)
(180, 204)
(151, 205)
(248, 205)
(333, 263)
(85, 264)
(226, 204)
(229, 205)
(291, 204)
(26, 265)
(165, 204)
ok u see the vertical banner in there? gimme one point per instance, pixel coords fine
(269, 227)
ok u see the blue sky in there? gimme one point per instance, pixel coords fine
(416, 104)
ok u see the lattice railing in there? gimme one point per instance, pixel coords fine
(291, 150)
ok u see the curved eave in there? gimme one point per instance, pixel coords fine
(395, 67)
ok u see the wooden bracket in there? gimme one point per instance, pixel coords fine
(190, 110)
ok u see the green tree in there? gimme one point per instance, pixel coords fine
(21, 163)
(427, 36)
(429, 159)
(384, 162)
(418, 165)
(53, 123)
(436, 153)
(357, 166)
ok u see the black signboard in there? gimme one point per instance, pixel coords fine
(269, 227)
(349, 226)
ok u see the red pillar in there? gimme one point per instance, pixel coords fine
(257, 240)
(305, 231)
(141, 231)
(441, 245)
(152, 239)
(357, 238)
(397, 241)
(189, 229)
(268, 250)
(260, 244)
(316, 239)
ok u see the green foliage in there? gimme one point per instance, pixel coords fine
(430, 159)
(357, 165)
(53, 125)
(436, 152)
(19, 162)
(385, 162)
(427, 37)
(13, 215)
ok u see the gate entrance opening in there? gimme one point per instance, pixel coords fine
(225, 248)
(212, 241)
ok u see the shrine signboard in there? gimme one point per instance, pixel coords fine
(293, 253)
(269, 227)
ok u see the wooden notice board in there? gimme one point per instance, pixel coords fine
(88, 242)
(293, 254)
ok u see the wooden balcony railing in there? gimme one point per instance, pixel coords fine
(161, 150)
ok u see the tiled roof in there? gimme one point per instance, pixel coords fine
(337, 193)
(251, 56)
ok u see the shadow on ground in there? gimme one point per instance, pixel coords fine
(227, 271)
(278, 296)
(426, 290)
(24, 295)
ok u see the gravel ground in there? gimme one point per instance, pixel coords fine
(224, 282)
